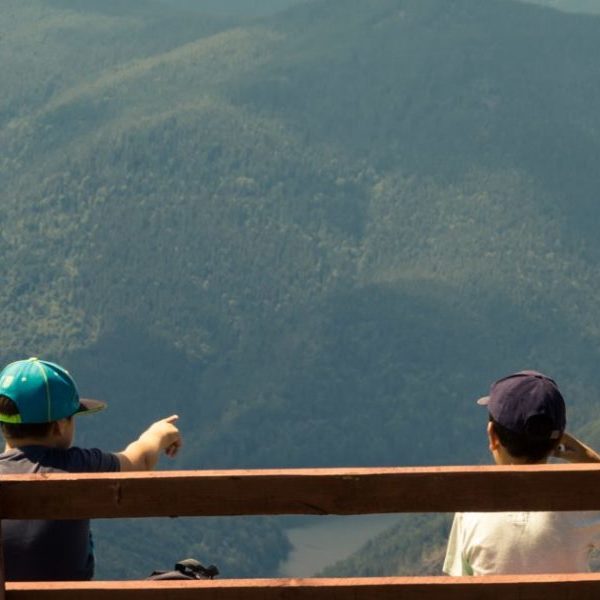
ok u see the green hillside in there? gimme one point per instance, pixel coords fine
(316, 236)
(415, 546)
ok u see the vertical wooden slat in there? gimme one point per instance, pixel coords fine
(2, 577)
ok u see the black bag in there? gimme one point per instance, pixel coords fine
(189, 568)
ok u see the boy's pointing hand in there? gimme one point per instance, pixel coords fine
(169, 437)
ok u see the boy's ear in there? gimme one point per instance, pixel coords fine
(493, 440)
(58, 427)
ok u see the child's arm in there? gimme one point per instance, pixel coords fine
(575, 451)
(142, 455)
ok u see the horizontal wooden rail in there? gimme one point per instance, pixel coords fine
(540, 587)
(306, 491)
(300, 491)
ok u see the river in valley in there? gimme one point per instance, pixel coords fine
(329, 539)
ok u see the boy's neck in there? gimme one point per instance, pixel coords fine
(59, 435)
(502, 457)
(48, 442)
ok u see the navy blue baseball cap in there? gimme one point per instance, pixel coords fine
(527, 403)
(42, 392)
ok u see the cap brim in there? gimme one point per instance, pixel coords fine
(88, 406)
(483, 401)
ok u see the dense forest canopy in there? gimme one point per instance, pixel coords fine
(317, 233)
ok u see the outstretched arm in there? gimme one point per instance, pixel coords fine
(142, 455)
(575, 451)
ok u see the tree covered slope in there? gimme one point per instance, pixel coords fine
(317, 236)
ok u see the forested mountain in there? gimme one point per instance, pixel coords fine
(415, 546)
(316, 236)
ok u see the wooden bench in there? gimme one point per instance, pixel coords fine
(313, 492)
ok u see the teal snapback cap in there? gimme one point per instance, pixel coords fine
(42, 392)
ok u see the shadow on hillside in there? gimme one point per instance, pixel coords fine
(141, 376)
(386, 375)
(376, 375)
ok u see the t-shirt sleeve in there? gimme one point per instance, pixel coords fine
(91, 460)
(455, 563)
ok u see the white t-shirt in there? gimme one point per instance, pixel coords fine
(521, 542)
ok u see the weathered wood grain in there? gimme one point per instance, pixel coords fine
(301, 491)
(541, 587)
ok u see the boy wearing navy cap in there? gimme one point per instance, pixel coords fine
(38, 400)
(527, 420)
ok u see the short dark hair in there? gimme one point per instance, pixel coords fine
(19, 431)
(533, 446)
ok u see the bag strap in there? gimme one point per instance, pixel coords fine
(194, 569)
(167, 575)
(188, 568)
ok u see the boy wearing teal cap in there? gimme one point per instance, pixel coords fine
(38, 400)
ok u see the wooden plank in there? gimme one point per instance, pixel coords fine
(2, 578)
(540, 587)
(300, 491)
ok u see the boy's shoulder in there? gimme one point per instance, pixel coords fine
(47, 459)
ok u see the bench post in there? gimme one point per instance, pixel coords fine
(2, 577)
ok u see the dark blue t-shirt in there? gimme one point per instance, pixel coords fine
(38, 550)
